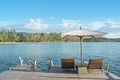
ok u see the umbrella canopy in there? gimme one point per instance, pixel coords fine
(81, 34)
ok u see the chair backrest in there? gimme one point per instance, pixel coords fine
(95, 64)
(68, 62)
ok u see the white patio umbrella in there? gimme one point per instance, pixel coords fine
(82, 34)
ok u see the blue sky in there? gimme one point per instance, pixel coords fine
(61, 15)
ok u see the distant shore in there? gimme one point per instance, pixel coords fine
(8, 42)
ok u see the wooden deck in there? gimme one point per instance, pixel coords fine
(55, 73)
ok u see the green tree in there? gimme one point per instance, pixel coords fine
(4, 35)
(13, 36)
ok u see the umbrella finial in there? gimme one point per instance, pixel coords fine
(80, 27)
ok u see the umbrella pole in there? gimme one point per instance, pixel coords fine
(81, 38)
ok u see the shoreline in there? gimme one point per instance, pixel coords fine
(50, 42)
(8, 42)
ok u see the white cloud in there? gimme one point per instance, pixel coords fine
(113, 35)
(107, 24)
(95, 25)
(113, 24)
(35, 24)
(3, 24)
(71, 24)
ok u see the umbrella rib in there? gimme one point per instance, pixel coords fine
(92, 36)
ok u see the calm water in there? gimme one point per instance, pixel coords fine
(42, 52)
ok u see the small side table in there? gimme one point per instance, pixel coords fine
(81, 69)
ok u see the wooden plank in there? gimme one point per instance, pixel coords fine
(56, 73)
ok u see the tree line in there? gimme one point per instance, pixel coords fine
(13, 36)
